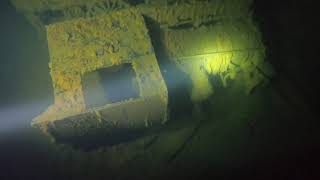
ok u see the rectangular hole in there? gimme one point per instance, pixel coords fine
(110, 85)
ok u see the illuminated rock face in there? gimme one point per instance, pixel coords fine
(81, 47)
(204, 39)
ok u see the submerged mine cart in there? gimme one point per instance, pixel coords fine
(104, 67)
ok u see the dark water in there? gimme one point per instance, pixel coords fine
(24, 75)
(271, 134)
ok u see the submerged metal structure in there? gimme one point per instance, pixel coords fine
(91, 41)
(83, 47)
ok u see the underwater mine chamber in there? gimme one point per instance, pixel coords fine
(105, 71)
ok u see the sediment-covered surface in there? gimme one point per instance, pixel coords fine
(270, 133)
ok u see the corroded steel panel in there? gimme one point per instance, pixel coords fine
(82, 46)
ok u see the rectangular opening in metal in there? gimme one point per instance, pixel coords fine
(110, 85)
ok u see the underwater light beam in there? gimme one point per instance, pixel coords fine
(13, 117)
